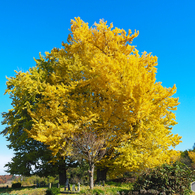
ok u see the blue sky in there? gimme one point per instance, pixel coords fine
(166, 29)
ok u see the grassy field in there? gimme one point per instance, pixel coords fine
(108, 190)
(104, 190)
(24, 191)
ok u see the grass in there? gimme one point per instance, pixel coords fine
(24, 191)
(109, 189)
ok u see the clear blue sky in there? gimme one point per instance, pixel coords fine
(167, 29)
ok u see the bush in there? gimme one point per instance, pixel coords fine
(16, 185)
(175, 178)
(53, 191)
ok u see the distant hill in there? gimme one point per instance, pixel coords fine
(5, 178)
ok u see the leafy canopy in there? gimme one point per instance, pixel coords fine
(99, 81)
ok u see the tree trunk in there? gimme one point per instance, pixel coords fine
(91, 171)
(62, 178)
(62, 173)
(101, 174)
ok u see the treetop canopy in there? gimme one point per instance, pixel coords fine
(99, 80)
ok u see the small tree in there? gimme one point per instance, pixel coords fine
(90, 147)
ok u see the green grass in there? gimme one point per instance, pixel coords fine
(108, 189)
(23, 191)
(111, 188)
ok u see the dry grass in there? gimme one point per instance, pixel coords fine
(5, 185)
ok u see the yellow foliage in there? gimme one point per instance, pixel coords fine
(191, 154)
(99, 80)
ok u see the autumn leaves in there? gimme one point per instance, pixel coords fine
(99, 85)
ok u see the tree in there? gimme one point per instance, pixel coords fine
(91, 147)
(99, 82)
(31, 156)
(34, 158)
(191, 155)
(185, 159)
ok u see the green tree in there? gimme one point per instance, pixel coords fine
(185, 159)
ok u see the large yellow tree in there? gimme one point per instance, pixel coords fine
(98, 82)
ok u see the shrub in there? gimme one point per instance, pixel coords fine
(175, 178)
(53, 191)
(16, 185)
